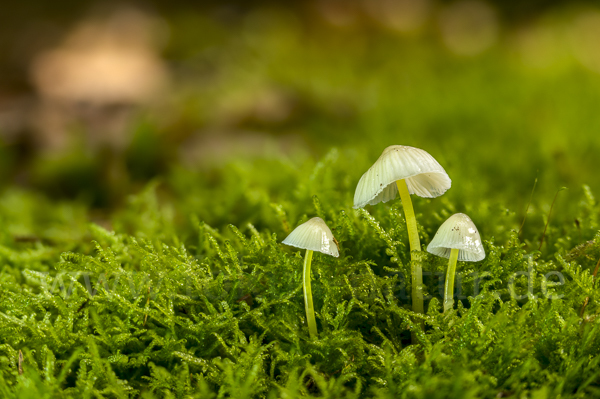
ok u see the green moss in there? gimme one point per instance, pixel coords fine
(179, 308)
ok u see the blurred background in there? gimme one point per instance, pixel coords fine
(99, 98)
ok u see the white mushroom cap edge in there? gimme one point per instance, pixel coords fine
(424, 176)
(313, 235)
(458, 232)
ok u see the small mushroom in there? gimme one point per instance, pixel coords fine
(313, 235)
(456, 239)
(408, 170)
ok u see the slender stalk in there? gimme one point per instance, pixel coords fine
(415, 245)
(308, 302)
(449, 284)
(548, 220)
(527, 209)
(409, 215)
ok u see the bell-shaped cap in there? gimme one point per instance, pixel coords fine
(313, 235)
(458, 232)
(424, 176)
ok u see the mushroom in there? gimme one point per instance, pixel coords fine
(456, 239)
(410, 171)
(313, 235)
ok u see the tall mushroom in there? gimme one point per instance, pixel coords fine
(456, 239)
(313, 235)
(408, 170)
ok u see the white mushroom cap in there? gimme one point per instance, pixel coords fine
(423, 174)
(458, 232)
(313, 235)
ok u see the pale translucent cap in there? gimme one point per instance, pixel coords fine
(313, 235)
(458, 232)
(423, 174)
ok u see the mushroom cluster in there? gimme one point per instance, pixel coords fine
(407, 170)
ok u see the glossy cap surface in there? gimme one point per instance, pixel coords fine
(458, 232)
(424, 176)
(313, 235)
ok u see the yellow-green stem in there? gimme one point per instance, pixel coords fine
(449, 284)
(308, 302)
(415, 245)
(409, 215)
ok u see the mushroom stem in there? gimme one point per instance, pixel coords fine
(415, 245)
(308, 301)
(409, 215)
(449, 284)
